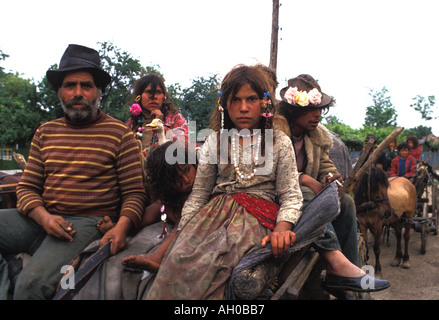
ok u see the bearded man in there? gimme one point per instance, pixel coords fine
(81, 167)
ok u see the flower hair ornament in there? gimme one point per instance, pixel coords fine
(136, 110)
(303, 98)
(266, 105)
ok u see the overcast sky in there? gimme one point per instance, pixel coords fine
(350, 46)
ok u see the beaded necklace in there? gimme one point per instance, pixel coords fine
(241, 176)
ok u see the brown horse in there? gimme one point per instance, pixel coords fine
(8, 183)
(386, 201)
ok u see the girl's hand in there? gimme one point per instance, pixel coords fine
(157, 114)
(282, 238)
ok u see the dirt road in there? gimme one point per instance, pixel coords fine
(421, 281)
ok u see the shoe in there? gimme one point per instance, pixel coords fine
(365, 283)
(339, 294)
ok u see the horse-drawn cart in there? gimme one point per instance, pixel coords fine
(426, 219)
(297, 276)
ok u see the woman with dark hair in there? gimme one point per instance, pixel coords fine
(152, 102)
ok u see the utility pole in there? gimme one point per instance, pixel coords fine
(274, 35)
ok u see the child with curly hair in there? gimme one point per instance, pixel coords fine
(169, 186)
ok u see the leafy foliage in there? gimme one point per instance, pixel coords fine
(382, 113)
(424, 106)
(24, 104)
(18, 109)
(197, 102)
(124, 71)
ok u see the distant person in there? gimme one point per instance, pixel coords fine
(81, 167)
(404, 164)
(415, 150)
(384, 161)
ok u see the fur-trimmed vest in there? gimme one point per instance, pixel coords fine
(317, 144)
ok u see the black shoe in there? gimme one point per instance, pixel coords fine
(365, 283)
(339, 294)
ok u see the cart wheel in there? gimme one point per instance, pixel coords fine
(424, 235)
(434, 207)
(363, 260)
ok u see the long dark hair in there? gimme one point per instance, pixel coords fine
(232, 83)
(160, 175)
(156, 82)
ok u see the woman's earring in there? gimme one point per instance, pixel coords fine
(221, 110)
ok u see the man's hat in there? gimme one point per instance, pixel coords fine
(304, 91)
(78, 57)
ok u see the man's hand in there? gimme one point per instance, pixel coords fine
(282, 238)
(54, 225)
(334, 177)
(117, 235)
(310, 182)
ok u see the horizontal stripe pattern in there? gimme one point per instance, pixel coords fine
(88, 170)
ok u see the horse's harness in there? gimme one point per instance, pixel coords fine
(371, 205)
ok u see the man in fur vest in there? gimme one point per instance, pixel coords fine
(303, 104)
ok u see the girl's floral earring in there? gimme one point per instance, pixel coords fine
(221, 110)
(136, 110)
(266, 105)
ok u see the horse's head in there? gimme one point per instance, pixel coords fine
(371, 193)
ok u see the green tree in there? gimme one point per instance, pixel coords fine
(382, 113)
(3, 56)
(18, 109)
(124, 71)
(48, 100)
(351, 137)
(197, 102)
(419, 131)
(424, 106)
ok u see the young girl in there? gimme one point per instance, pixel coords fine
(169, 185)
(151, 103)
(231, 210)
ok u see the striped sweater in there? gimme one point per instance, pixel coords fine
(92, 169)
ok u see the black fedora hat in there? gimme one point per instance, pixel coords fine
(304, 83)
(77, 57)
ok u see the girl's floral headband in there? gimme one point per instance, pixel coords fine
(303, 98)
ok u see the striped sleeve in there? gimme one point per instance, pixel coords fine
(89, 170)
(129, 171)
(30, 188)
